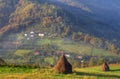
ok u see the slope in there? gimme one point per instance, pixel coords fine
(68, 19)
(95, 17)
(29, 13)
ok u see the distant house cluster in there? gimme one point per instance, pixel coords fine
(59, 53)
(32, 34)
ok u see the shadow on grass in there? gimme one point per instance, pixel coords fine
(96, 74)
(115, 70)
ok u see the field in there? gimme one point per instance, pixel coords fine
(48, 73)
(26, 51)
(71, 46)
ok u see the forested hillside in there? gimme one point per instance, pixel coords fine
(95, 17)
(28, 13)
(65, 19)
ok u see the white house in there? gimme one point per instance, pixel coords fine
(28, 38)
(32, 36)
(25, 34)
(31, 32)
(41, 34)
(67, 55)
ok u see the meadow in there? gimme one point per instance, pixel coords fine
(48, 73)
(26, 51)
(76, 47)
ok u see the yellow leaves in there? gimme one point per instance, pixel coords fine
(48, 9)
(4, 29)
(25, 12)
(22, 2)
(47, 21)
(8, 27)
(28, 7)
(58, 19)
(24, 8)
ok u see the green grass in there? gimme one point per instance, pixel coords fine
(48, 73)
(71, 46)
(49, 60)
(44, 41)
(114, 72)
(14, 70)
(68, 46)
(22, 52)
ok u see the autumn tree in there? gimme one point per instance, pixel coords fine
(66, 31)
(86, 38)
(112, 48)
(73, 35)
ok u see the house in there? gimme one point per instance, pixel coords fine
(37, 53)
(25, 34)
(32, 32)
(79, 57)
(41, 35)
(32, 36)
(67, 55)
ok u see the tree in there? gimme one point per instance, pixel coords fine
(2, 62)
(66, 31)
(100, 61)
(112, 48)
(80, 36)
(86, 38)
(91, 62)
(73, 35)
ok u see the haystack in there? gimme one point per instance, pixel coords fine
(105, 67)
(63, 66)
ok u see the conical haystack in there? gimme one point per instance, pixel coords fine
(105, 67)
(63, 66)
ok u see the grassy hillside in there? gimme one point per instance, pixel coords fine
(46, 51)
(48, 73)
(75, 47)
